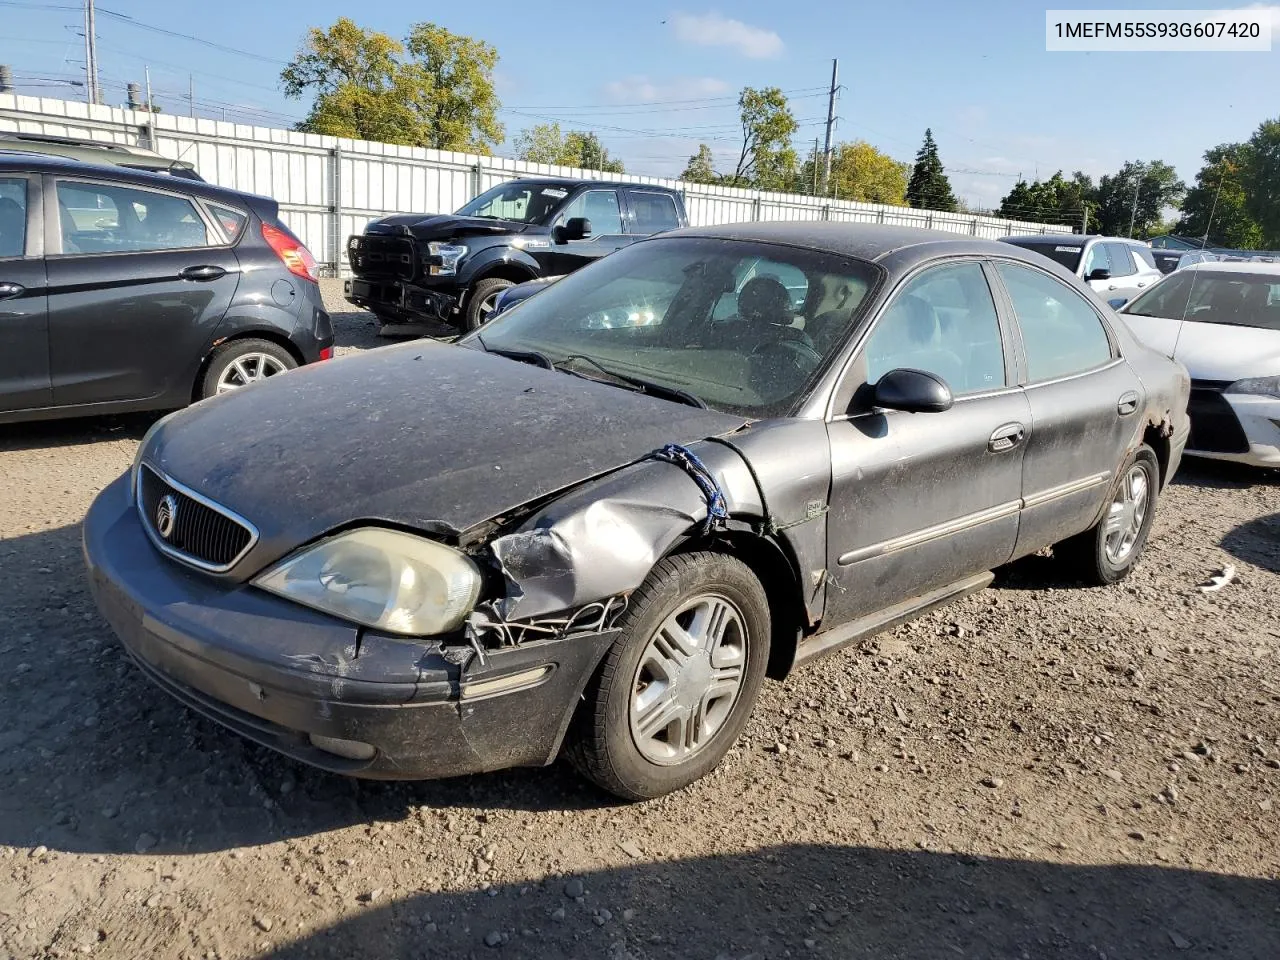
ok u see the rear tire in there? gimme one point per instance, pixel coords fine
(240, 363)
(481, 300)
(1107, 552)
(677, 686)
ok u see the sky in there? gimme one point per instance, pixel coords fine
(655, 80)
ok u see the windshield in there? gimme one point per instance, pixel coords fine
(1064, 252)
(741, 326)
(1239, 299)
(519, 200)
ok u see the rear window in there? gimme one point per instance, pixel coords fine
(1063, 251)
(1235, 299)
(231, 220)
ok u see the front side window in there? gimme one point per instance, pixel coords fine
(106, 218)
(1098, 257)
(598, 206)
(943, 322)
(1236, 299)
(655, 212)
(1061, 333)
(13, 216)
(649, 312)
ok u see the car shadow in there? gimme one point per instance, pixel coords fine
(76, 431)
(1222, 474)
(826, 901)
(95, 758)
(1256, 542)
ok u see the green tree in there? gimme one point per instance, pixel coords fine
(1262, 185)
(767, 160)
(1056, 200)
(545, 143)
(701, 167)
(1217, 205)
(434, 90)
(929, 186)
(1155, 186)
(859, 172)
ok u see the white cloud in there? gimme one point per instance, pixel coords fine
(714, 30)
(640, 89)
(1275, 17)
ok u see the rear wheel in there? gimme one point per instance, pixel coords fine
(243, 362)
(483, 298)
(676, 688)
(1107, 552)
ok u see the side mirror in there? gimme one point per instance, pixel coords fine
(1100, 273)
(577, 228)
(912, 391)
(1117, 302)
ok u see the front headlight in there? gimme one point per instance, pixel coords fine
(380, 578)
(449, 254)
(1258, 386)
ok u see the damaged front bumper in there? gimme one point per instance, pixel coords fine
(400, 300)
(319, 689)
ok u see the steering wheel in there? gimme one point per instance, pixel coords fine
(785, 361)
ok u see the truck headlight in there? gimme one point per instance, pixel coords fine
(380, 578)
(449, 254)
(1258, 386)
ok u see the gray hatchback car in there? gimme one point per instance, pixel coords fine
(634, 497)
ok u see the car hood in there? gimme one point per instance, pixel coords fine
(1211, 351)
(423, 435)
(443, 226)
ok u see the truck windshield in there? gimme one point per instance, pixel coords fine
(1064, 251)
(521, 200)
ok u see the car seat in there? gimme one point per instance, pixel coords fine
(69, 229)
(914, 340)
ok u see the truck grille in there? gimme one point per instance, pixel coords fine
(189, 527)
(1214, 426)
(373, 256)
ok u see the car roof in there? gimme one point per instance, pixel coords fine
(32, 162)
(865, 241)
(1080, 238)
(572, 182)
(1235, 266)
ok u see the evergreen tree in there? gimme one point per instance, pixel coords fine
(929, 187)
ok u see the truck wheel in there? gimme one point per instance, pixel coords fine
(483, 298)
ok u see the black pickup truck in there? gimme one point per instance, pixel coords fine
(410, 268)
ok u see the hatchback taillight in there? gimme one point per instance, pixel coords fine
(292, 253)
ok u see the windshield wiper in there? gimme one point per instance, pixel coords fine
(534, 357)
(643, 386)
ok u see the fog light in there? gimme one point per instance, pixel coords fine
(348, 749)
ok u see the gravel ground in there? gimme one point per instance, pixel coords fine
(1040, 771)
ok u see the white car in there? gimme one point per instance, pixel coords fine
(1222, 322)
(1117, 269)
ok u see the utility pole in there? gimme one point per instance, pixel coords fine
(6, 79)
(191, 95)
(831, 124)
(1212, 210)
(1133, 211)
(91, 52)
(146, 72)
(1084, 219)
(815, 166)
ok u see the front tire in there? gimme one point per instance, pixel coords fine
(1107, 552)
(483, 298)
(241, 363)
(678, 684)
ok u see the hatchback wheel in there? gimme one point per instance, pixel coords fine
(676, 688)
(1107, 552)
(241, 363)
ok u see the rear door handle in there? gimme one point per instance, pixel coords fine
(10, 290)
(1006, 437)
(1127, 403)
(203, 273)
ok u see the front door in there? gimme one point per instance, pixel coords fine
(921, 500)
(137, 287)
(1084, 404)
(603, 207)
(24, 320)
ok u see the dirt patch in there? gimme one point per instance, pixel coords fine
(1038, 771)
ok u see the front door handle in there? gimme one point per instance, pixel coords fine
(1112, 287)
(1142, 284)
(10, 290)
(203, 273)
(1127, 403)
(1006, 437)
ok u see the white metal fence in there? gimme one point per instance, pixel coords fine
(329, 188)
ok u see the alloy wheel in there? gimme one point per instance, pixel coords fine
(688, 679)
(247, 369)
(1126, 514)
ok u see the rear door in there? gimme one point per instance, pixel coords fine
(1084, 401)
(139, 279)
(603, 206)
(920, 500)
(24, 321)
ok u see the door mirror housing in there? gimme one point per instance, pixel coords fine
(1100, 273)
(575, 228)
(913, 391)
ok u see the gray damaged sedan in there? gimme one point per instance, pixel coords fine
(597, 524)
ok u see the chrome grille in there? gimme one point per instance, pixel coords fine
(195, 529)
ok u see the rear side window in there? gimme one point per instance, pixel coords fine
(230, 219)
(1060, 330)
(1145, 256)
(13, 216)
(654, 212)
(108, 218)
(1122, 260)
